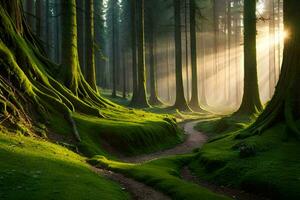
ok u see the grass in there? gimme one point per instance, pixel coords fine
(32, 169)
(163, 175)
(267, 163)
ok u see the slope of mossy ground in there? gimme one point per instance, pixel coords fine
(268, 163)
(31, 168)
(162, 174)
(133, 136)
(124, 131)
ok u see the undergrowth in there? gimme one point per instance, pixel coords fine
(268, 163)
(162, 174)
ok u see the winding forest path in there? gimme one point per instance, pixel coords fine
(194, 139)
(140, 191)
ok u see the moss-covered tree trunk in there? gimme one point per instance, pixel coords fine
(141, 99)
(90, 49)
(70, 73)
(180, 102)
(70, 61)
(251, 103)
(81, 34)
(285, 104)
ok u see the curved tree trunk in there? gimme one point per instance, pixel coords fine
(285, 104)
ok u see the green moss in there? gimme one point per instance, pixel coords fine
(273, 169)
(36, 169)
(163, 175)
(129, 134)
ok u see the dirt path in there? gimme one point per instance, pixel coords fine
(137, 190)
(140, 191)
(194, 139)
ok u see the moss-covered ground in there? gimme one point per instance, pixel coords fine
(268, 163)
(162, 174)
(32, 168)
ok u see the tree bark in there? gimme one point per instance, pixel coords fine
(194, 103)
(153, 100)
(90, 45)
(142, 100)
(180, 102)
(134, 50)
(251, 103)
(81, 34)
(285, 104)
(38, 15)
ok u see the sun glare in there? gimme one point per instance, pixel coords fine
(285, 35)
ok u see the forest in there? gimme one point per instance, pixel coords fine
(149, 99)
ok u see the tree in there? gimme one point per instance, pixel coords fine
(194, 103)
(141, 100)
(251, 103)
(90, 48)
(30, 12)
(272, 51)
(151, 37)
(285, 104)
(100, 34)
(180, 102)
(38, 13)
(81, 34)
(114, 18)
(71, 74)
(134, 55)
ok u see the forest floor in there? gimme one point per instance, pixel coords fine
(139, 190)
(194, 140)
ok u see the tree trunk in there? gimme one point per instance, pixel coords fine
(142, 100)
(115, 48)
(153, 100)
(90, 45)
(194, 103)
(180, 102)
(81, 34)
(285, 104)
(134, 56)
(272, 59)
(229, 29)
(251, 103)
(30, 13)
(186, 50)
(47, 29)
(215, 44)
(38, 15)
